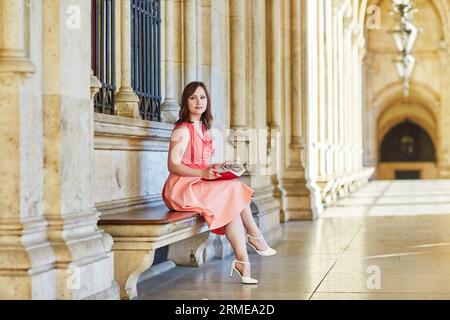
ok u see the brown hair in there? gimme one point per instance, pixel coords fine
(188, 91)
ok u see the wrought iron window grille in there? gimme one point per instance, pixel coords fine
(145, 59)
(103, 53)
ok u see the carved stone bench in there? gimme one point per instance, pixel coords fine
(138, 233)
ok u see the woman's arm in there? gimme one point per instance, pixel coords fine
(178, 144)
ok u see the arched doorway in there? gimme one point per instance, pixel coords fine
(407, 152)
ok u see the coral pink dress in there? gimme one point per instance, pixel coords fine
(219, 202)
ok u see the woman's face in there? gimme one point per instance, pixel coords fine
(197, 103)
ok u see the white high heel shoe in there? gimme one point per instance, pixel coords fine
(268, 252)
(244, 280)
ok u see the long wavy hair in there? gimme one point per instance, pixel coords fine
(188, 91)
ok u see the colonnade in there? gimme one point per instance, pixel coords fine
(285, 81)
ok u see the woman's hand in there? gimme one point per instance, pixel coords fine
(210, 173)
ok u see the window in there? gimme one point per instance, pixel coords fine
(145, 58)
(102, 59)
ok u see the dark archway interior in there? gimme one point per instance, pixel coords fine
(407, 142)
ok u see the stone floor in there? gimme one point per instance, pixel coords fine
(390, 240)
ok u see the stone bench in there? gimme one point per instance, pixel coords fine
(139, 232)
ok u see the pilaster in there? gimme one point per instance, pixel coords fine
(84, 260)
(26, 257)
(170, 108)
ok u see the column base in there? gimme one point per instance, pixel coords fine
(85, 279)
(299, 202)
(17, 65)
(127, 104)
(27, 285)
(27, 268)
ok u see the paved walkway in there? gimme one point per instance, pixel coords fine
(390, 240)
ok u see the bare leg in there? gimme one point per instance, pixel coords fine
(252, 228)
(235, 233)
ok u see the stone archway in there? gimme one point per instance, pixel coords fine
(383, 87)
(407, 151)
(390, 108)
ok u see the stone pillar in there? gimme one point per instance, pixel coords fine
(84, 260)
(309, 17)
(238, 64)
(298, 96)
(238, 87)
(295, 195)
(370, 130)
(320, 144)
(443, 160)
(264, 207)
(26, 258)
(127, 102)
(329, 32)
(274, 47)
(358, 103)
(190, 41)
(341, 79)
(205, 42)
(350, 83)
(336, 95)
(170, 108)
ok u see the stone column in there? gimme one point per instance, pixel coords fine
(264, 206)
(370, 144)
(329, 32)
(238, 86)
(238, 64)
(127, 102)
(347, 97)
(321, 123)
(205, 42)
(298, 96)
(358, 104)
(190, 41)
(443, 160)
(170, 108)
(274, 47)
(310, 15)
(295, 196)
(26, 258)
(84, 260)
(335, 120)
(350, 117)
(341, 81)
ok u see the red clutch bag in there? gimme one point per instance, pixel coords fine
(228, 171)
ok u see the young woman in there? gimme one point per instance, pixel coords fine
(224, 204)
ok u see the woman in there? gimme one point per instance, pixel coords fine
(223, 204)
